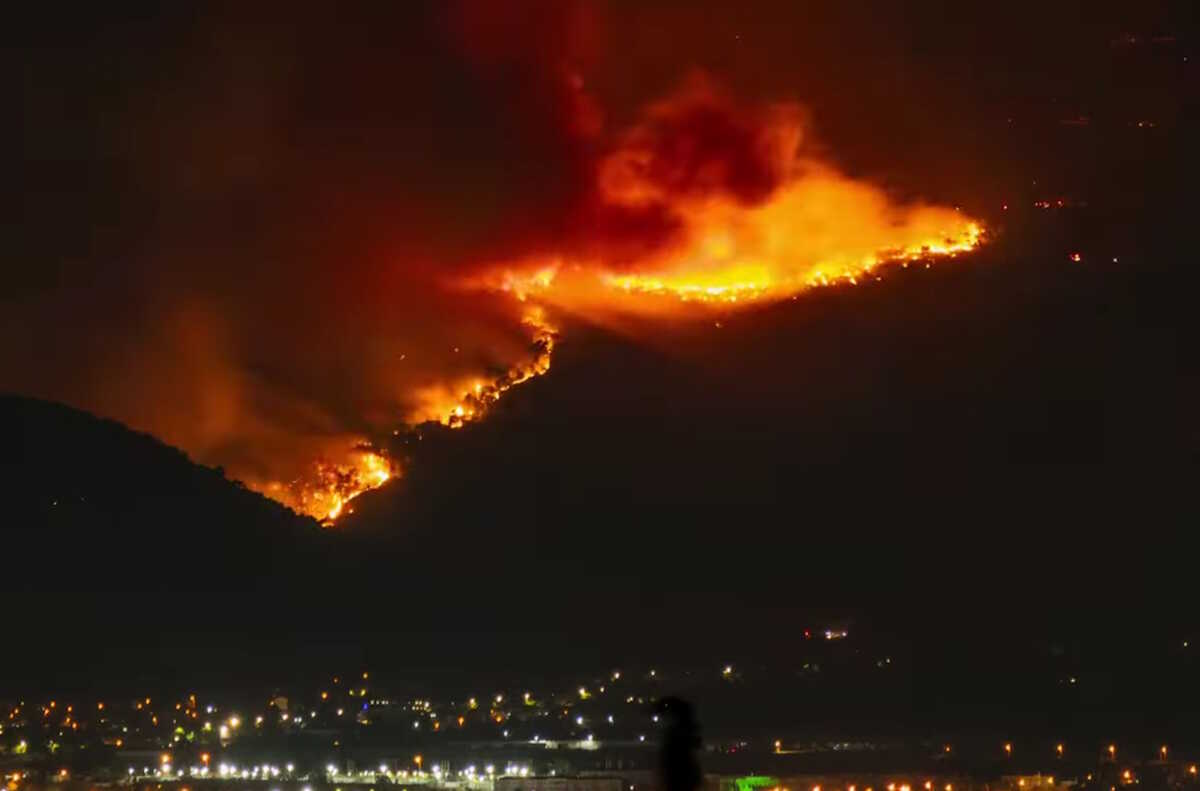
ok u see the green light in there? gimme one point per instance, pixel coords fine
(751, 782)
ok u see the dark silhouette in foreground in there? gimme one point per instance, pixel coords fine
(681, 738)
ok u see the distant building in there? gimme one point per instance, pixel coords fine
(543, 783)
(1037, 782)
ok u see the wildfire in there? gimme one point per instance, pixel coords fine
(727, 207)
(712, 203)
(739, 282)
(467, 403)
(325, 494)
(821, 228)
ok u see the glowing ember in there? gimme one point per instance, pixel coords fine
(325, 495)
(823, 229)
(471, 402)
(742, 283)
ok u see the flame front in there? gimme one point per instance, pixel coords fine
(467, 402)
(820, 230)
(725, 212)
(707, 200)
(325, 494)
(823, 230)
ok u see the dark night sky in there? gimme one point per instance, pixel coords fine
(226, 224)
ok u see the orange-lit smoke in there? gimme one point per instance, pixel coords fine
(325, 491)
(738, 212)
(465, 402)
(309, 244)
(704, 201)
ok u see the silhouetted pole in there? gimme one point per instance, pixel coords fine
(681, 740)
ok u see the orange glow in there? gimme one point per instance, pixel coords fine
(755, 216)
(817, 228)
(325, 493)
(826, 230)
(750, 216)
(457, 405)
(733, 267)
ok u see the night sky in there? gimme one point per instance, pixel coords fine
(257, 234)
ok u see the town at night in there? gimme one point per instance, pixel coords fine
(596, 731)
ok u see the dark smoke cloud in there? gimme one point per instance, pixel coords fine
(700, 143)
(234, 228)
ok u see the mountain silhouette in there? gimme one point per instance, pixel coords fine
(94, 504)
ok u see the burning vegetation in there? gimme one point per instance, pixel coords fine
(325, 494)
(704, 201)
(455, 407)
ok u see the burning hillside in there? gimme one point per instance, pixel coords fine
(704, 201)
